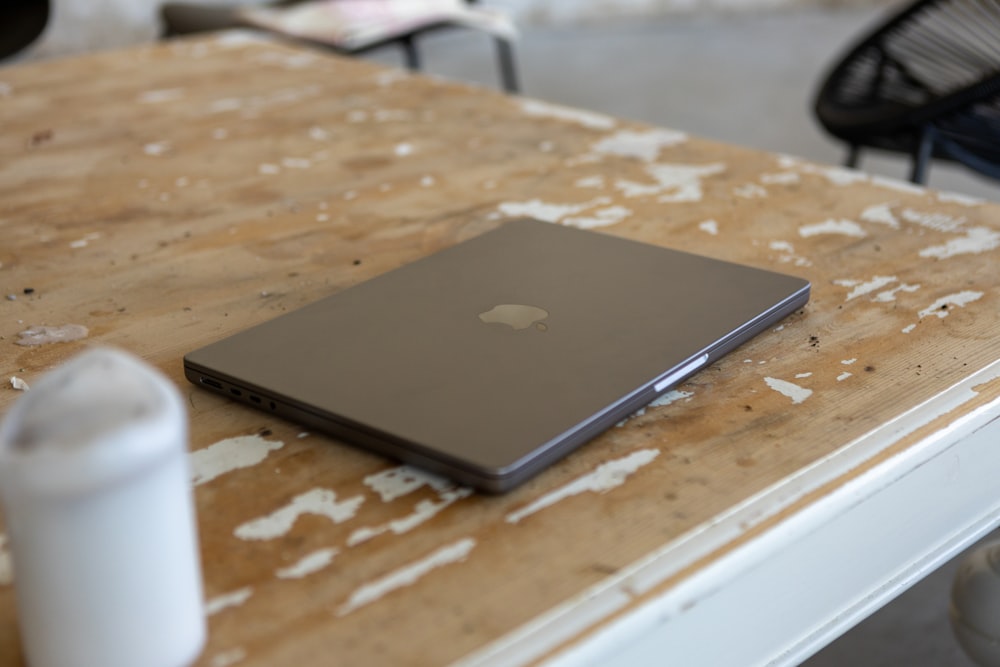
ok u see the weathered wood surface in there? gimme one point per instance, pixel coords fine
(166, 196)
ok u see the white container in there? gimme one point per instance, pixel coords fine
(98, 506)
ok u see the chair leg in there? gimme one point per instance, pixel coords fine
(922, 156)
(853, 156)
(410, 52)
(508, 66)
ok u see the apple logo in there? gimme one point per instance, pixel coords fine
(516, 316)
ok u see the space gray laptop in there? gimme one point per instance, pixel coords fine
(490, 360)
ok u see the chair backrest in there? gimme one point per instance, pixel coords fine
(933, 57)
(20, 24)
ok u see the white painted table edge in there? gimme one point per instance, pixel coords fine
(577, 632)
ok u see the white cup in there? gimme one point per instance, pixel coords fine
(97, 501)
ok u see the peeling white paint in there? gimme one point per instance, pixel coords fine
(590, 182)
(408, 575)
(427, 182)
(890, 294)
(791, 390)
(6, 567)
(228, 455)
(600, 218)
(976, 240)
(156, 148)
(403, 149)
(18, 384)
(789, 257)
(424, 511)
(605, 477)
(881, 214)
(908, 328)
(308, 564)
(320, 502)
(547, 212)
(863, 288)
(843, 376)
(675, 183)
(781, 178)
(898, 185)
(645, 146)
(268, 168)
(296, 163)
(228, 600)
(802, 376)
(848, 362)
(939, 222)
(159, 96)
(671, 396)
(399, 481)
(594, 121)
(709, 227)
(960, 199)
(35, 336)
(750, 191)
(940, 307)
(844, 227)
(317, 133)
(228, 658)
(839, 176)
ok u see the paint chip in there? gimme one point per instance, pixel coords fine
(156, 148)
(160, 96)
(844, 227)
(709, 227)
(940, 308)
(976, 240)
(34, 336)
(228, 455)
(408, 575)
(308, 564)
(843, 376)
(793, 391)
(268, 168)
(881, 214)
(18, 384)
(605, 477)
(296, 162)
(319, 502)
(594, 121)
(227, 600)
(750, 191)
(645, 146)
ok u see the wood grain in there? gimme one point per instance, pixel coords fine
(169, 195)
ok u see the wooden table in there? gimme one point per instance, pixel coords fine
(166, 196)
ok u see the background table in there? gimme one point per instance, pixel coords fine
(166, 196)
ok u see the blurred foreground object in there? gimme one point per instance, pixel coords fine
(98, 505)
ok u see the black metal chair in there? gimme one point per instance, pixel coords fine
(926, 82)
(21, 23)
(180, 18)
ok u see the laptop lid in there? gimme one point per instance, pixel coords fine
(491, 359)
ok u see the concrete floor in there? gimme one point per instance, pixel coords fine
(747, 79)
